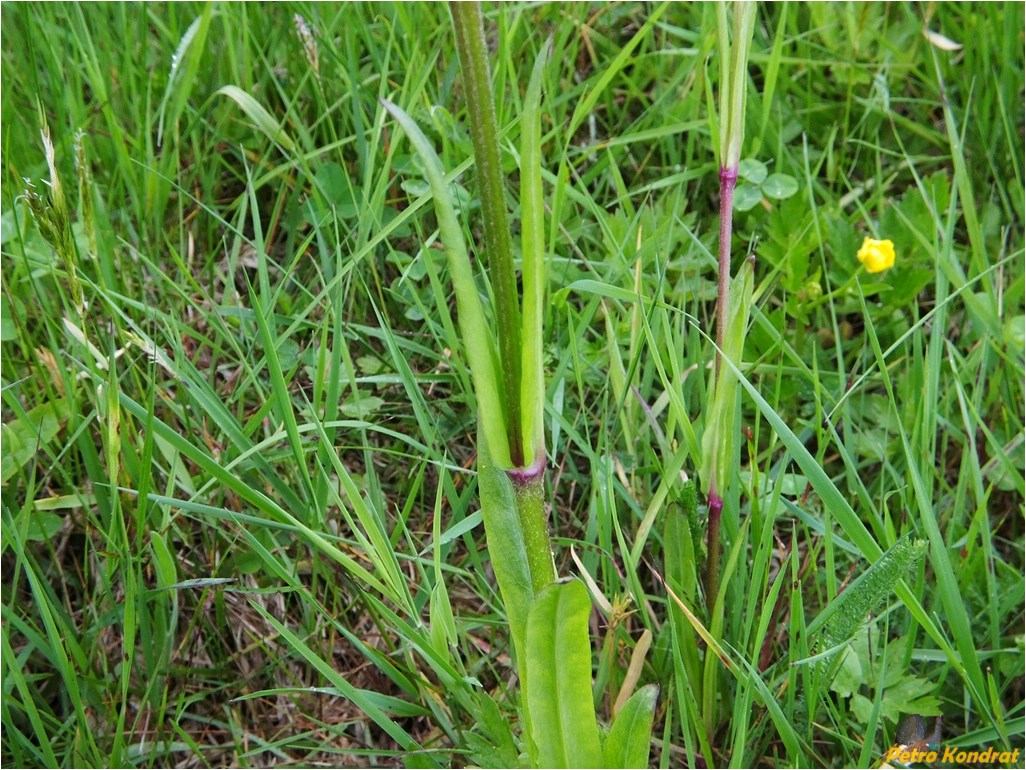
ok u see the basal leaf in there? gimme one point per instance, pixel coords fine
(23, 436)
(559, 699)
(630, 738)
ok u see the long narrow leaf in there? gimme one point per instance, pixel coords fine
(586, 105)
(532, 207)
(255, 497)
(354, 694)
(481, 353)
(947, 585)
(848, 519)
(259, 115)
(719, 436)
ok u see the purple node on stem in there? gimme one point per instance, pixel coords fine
(728, 181)
(521, 477)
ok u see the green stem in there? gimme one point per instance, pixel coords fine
(470, 45)
(529, 490)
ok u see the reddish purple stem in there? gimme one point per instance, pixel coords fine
(712, 574)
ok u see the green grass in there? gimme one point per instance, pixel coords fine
(240, 518)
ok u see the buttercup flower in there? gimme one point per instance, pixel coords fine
(876, 255)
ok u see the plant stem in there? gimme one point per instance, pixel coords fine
(712, 572)
(470, 44)
(733, 57)
(728, 181)
(529, 490)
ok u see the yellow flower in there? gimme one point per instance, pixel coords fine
(876, 255)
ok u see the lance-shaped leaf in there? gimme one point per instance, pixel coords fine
(532, 207)
(508, 549)
(263, 119)
(733, 78)
(559, 699)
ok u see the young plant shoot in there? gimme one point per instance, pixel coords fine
(720, 434)
(548, 618)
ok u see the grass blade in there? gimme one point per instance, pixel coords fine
(359, 698)
(263, 119)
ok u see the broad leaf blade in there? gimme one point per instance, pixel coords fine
(630, 738)
(559, 699)
(508, 551)
(22, 437)
(506, 545)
